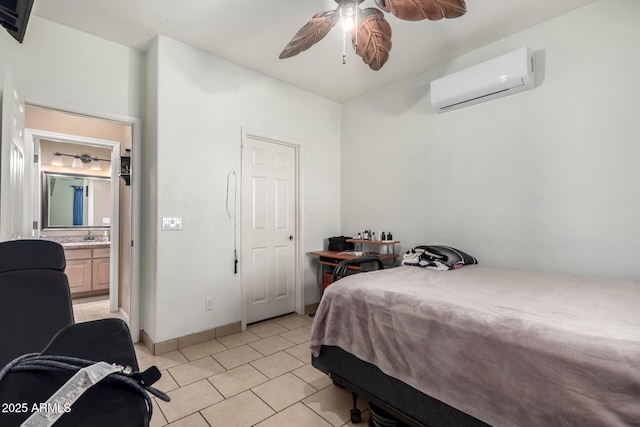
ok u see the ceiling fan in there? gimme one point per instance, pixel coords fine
(370, 32)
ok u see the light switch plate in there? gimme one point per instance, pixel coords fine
(171, 224)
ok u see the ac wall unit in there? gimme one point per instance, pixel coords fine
(505, 75)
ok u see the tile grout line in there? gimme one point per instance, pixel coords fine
(224, 347)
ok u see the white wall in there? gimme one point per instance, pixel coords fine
(546, 179)
(203, 102)
(60, 66)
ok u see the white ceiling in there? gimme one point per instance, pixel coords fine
(252, 34)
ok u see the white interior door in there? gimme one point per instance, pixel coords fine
(12, 163)
(269, 227)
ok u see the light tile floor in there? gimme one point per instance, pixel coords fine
(92, 308)
(261, 377)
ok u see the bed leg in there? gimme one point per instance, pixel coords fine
(356, 416)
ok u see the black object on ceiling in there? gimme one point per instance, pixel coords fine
(14, 16)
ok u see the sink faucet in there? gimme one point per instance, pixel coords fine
(89, 236)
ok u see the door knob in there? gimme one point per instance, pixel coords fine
(290, 237)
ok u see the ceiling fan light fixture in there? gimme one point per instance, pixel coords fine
(349, 13)
(370, 33)
(348, 23)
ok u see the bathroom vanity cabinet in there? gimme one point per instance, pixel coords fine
(88, 270)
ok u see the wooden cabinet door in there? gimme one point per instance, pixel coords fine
(101, 267)
(78, 272)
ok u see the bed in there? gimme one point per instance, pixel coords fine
(481, 346)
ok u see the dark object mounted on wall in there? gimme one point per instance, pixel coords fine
(125, 167)
(14, 16)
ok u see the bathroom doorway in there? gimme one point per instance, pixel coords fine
(76, 148)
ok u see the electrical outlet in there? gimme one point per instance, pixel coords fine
(208, 303)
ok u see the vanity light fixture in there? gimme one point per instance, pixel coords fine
(79, 160)
(57, 160)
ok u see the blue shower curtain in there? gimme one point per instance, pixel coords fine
(77, 205)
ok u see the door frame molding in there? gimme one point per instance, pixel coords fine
(135, 316)
(10, 94)
(274, 139)
(33, 136)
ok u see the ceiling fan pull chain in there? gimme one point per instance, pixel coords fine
(355, 47)
(344, 47)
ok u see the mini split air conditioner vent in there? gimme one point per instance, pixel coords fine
(475, 100)
(502, 76)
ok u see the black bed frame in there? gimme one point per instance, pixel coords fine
(395, 397)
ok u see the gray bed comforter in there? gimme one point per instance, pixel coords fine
(510, 348)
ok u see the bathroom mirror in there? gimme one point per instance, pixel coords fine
(75, 201)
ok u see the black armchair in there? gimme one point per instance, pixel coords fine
(36, 316)
(35, 302)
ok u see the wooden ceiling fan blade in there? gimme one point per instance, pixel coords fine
(374, 38)
(311, 33)
(417, 10)
(453, 8)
